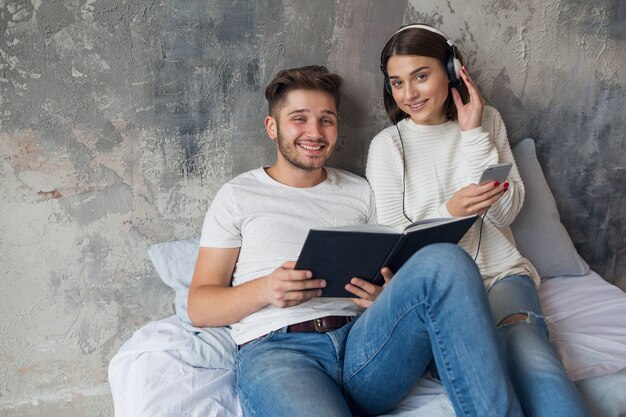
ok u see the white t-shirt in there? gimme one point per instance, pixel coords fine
(269, 222)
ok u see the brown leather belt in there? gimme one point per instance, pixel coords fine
(320, 325)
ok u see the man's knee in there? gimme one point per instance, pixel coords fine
(444, 254)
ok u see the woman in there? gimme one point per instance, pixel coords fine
(426, 166)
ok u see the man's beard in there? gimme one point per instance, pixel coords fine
(291, 155)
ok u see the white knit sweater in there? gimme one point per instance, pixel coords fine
(440, 160)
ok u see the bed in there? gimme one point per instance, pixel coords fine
(170, 368)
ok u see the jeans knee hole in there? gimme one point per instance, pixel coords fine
(514, 319)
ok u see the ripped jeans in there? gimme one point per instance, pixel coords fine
(536, 373)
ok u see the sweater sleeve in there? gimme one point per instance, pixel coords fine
(504, 211)
(384, 173)
(479, 150)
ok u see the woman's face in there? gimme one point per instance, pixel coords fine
(419, 85)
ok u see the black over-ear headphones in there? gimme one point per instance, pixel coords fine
(453, 65)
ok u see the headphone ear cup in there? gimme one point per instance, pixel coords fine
(457, 68)
(453, 68)
(387, 85)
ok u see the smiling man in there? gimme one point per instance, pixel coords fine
(305, 355)
(304, 125)
(257, 222)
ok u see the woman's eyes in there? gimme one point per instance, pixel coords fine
(417, 77)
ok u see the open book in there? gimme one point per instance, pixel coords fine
(338, 254)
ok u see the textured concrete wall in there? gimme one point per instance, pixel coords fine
(120, 120)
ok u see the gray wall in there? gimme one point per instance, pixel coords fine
(120, 120)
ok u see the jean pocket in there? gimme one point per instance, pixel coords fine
(249, 347)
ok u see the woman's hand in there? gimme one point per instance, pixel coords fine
(470, 115)
(475, 199)
(365, 290)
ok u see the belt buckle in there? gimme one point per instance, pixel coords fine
(319, 326)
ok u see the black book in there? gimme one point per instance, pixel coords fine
(338, 254)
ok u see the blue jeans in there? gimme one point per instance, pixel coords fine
(536, 373)
(435, 306)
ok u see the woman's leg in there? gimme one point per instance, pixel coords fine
(537, 375)
(435, 305)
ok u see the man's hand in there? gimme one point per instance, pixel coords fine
(365, 290)
(288, 287)
(475, 199)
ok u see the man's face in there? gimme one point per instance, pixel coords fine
(306, 129)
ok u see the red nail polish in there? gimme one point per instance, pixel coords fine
(505, 185)
(495, 184)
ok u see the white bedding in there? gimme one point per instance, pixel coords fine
(150, 376)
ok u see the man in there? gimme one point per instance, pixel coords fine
(305, 355)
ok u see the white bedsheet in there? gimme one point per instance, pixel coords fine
(587, 317)
(150, 375)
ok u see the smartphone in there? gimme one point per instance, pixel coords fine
(497, 172)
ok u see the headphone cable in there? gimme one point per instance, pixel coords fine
(480, 234)
(403, 171)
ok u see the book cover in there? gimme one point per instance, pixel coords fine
(341, 253)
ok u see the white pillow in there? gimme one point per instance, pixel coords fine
(539, 234)
(174, 262)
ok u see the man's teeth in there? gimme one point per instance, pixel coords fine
(311, 148)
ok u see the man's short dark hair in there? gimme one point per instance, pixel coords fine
(312, 77)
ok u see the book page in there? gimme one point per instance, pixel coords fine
(362, 228)
(425, 224)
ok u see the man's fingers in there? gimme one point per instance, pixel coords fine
(295, 298)
(289, 265)
(361, 302)
(359, 292)
(365, 285)
(299, 296)
(306, 294)
(387, 274)
(295, 281)
(363, 289)
(296, 275)
(306, 284)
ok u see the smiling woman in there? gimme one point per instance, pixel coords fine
(419, 86)
(427, 165)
